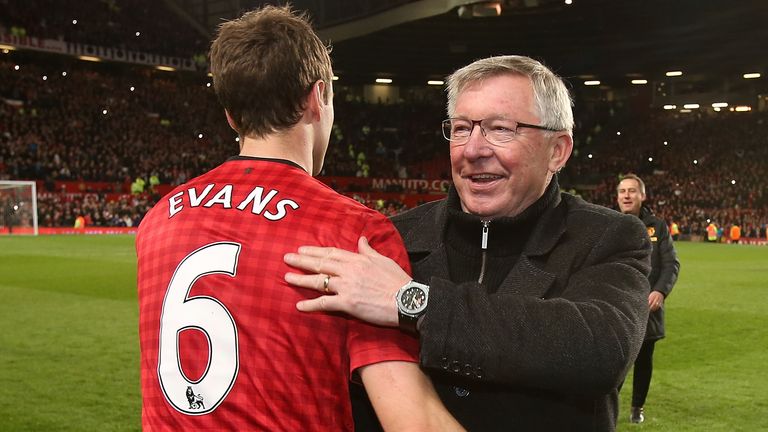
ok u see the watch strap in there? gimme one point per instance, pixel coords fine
(408, 321)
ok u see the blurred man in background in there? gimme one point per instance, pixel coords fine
(734, 234)
(664, 270)
(8, 213)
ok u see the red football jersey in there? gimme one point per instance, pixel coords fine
(222, 344)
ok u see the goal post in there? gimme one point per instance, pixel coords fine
(18, 207)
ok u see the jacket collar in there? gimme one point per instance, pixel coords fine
(427, 235)
(548, 231)
(645, 213)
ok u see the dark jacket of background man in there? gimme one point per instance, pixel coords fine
(665, 266)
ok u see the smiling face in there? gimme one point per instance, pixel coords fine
(630, 196)
(494, 181)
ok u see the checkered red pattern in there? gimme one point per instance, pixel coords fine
(292, 367)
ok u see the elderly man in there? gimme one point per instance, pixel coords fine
(529, 303)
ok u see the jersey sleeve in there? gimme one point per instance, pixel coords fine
(366, 343)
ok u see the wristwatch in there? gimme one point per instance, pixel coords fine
(411, 304)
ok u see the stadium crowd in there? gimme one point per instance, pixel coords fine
(57, 209)
(697, 168)
(65, 121)
(139, 26)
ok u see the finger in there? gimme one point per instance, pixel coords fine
(320, 304)
(330, 253)
(310, 281)
(365, 248)
(312, 264)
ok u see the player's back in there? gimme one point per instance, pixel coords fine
(223, 346)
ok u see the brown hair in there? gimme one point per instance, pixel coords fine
(264, 65)
(634, 177)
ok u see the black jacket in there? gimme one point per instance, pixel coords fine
(665, 267)
(547, 350)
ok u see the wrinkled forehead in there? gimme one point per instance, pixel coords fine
(503, 95)
(502, 77)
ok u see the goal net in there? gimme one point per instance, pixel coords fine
(18, 207)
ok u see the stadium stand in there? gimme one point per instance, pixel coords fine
(139, 25)
(697, 168)
(87, 131)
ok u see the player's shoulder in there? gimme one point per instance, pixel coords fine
(335, 201)
(160, 210)
(351, 207)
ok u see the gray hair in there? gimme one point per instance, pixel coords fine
(553, 100)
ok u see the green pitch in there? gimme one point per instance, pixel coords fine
(69, 358)
(709, 372)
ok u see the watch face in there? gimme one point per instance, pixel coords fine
(413, 299)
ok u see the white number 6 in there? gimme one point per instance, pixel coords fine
(208, 315)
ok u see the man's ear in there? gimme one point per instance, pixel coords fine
(316, 101)
(231, 122)
(563, 146)
(322, 92)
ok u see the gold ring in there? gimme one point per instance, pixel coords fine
(326, 281)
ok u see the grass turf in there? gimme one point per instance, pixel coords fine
(709, 371)
(69, 357)
(69, 340)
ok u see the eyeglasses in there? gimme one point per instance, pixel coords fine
(497, 131)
